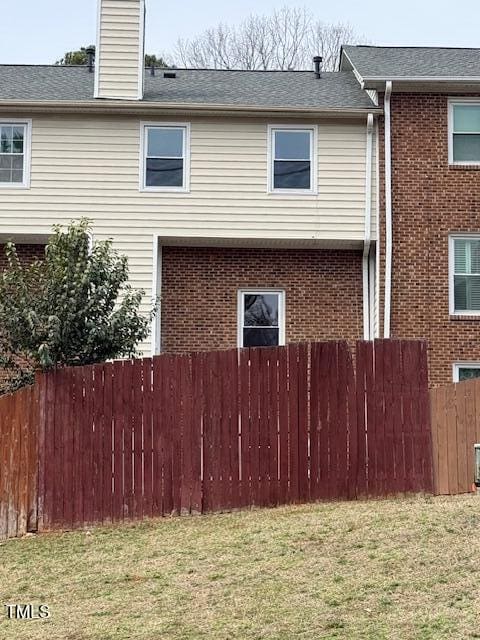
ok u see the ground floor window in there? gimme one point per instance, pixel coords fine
(466, 371)
(261, 318)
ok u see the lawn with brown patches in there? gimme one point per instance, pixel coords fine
(393, 569)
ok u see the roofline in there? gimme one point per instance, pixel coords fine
(114, 106)
(464, 79)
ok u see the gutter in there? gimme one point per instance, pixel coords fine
(158, 108)
(368, 224)
(388, 211)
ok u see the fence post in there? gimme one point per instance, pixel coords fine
(38, 454)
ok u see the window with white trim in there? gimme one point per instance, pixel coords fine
(465, 275)
(465, 133)
(261, 321)
(165, 157)
(14, 154)
(292, 164)
(466, 371)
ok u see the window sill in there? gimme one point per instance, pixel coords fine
(464, 167)
(469, 318)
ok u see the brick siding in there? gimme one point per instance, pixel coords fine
(323, 291)
(430, 200)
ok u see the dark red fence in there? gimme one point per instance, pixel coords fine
(222, 430)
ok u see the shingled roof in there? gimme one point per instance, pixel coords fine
(263, 89)
(387, 63)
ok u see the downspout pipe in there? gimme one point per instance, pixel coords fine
(368, 230)
(388, 212)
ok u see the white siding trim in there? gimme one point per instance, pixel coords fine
(97, 50)
(141, 54)
(313, 159)
(186, 157)
(156, 294)
(451, 103)
(27, 153)
(281, 312)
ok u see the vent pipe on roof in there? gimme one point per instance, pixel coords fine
(90, 51)
(317, 61)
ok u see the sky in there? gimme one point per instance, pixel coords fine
(40, 31)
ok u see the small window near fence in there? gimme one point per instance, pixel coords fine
(261, 321)
(466, 371)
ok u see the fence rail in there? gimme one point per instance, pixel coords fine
(222, 430)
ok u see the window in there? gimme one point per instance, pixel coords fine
(464, 134)
(261, 321)
(466, 371)
(465, 275)
(165, 161)
(14, 154)
(292, 159)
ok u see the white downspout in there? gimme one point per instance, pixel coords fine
(388, 212)
(368, 225)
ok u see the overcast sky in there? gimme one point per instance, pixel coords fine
(40, 31)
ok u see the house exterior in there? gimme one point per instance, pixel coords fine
(260, 207)
(429, 225)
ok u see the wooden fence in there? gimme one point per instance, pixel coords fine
(222, 430)
(455, 410)
(18, 462)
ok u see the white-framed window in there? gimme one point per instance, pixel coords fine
(464, 274)
(464, 132)
(15, 153)
(465, 371)
(292, 159)
(165, 157)
(261, 317)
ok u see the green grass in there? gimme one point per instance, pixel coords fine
(378, 570)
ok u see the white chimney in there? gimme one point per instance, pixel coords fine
(120, 50)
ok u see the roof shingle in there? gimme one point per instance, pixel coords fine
(263, 89)
(414, 62)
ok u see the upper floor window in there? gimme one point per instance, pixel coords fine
(14, 154)
(465, 275)
(261, 321)
(464, 133)
(292, 164)
(165, 157)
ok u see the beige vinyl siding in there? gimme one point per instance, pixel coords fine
(120, 48)
(89, 166)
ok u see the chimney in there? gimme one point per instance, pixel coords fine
(317, 61)
(120, 50)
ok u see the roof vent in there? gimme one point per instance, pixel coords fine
(317, 62)
(169, 74)
(90, 51)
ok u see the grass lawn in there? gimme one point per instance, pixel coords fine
(384, 569)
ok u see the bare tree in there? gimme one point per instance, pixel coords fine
(286, 39)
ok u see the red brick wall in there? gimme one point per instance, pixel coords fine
(323, 291)
(430, 200)
(26, 252)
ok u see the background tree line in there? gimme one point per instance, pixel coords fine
(286, 39)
